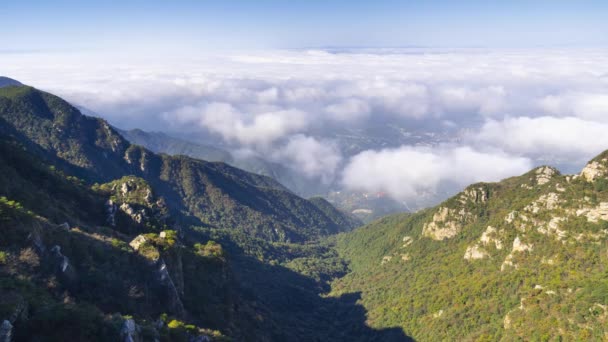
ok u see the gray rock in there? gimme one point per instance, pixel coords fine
(111, 209)
(124, 189)
(64, 226)
(64, 262)
(6, 331)
(129, 331)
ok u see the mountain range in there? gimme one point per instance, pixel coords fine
(103, 240)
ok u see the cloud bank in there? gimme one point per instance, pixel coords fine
(462, 115)
(407, 172)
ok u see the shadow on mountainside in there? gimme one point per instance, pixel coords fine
(298, 311)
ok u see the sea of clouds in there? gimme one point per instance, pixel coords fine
(510, 109)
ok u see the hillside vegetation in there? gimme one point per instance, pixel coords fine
(105, 241)
(521, 259)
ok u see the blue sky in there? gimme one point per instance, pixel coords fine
(199, 25)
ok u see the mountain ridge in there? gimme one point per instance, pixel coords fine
(519, 258)
(91, 149)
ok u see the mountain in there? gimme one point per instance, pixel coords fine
(365, 207)
(5, 82)
(101, 241)
(159, 142)
(105, 240)
(206, 193)
(162, 143)
(521, 259)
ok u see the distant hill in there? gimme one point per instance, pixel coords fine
(5, 81)
(162, 143)
(104, 240)
(213, 194)
(521, 259)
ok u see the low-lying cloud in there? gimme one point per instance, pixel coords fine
(407, 172)
(472, 114)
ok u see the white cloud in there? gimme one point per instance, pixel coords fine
(351, 109)
(282, 105)
(406, 172)
(485, 101)
(568, 137)
(245, 128)
(590, 105)
(312, 157)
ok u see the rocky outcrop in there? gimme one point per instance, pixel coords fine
(475, 252)
(549, 201)
(163, 276)
(62, 260)
(137, 242)
(594, 170)
(407, 240)
(594, 214)
(446, 223)
(136, 215)
(63, 266)
(475, 194)
(544, 174)
(386, 259)
(490, 237)
(129, 331)
(6, 331)
(174, 301)
(518, 247)
(552, 228)
(111, 209)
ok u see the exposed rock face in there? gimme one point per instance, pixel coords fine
(124, 189)
(548, 201)
(174, 301)
(148, 197)
(36, 240)
(475, 252)
(446, 223)
(137, 215)
(491, 236)
(518, 247)
(594, 170)
(552, 228)
(595, 214)
(64, 226)
(6, 331)
(475, 194)
(386, 259)
(165, 279)
(111, 209)
(407, 240)
(137, 242)
(64, 262)
(129, 331)
(544, 174)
